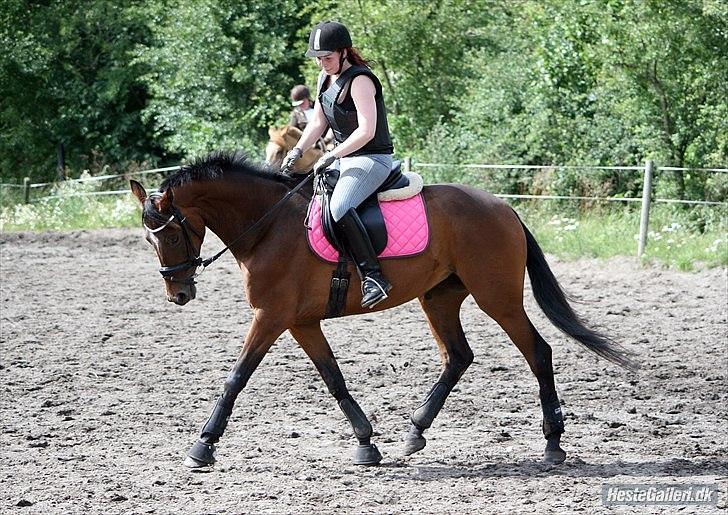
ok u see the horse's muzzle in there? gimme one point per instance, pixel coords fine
(183, 297)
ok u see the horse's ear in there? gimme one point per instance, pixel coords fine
(164, 201)
(138, 190)
(272, 131)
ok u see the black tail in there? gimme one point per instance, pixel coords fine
(552, 301)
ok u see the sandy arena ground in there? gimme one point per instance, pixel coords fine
(105, 385)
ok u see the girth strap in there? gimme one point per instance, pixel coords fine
(339, 288)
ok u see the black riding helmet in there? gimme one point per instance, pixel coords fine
(328, 37)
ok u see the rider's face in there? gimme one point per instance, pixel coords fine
(329, 63)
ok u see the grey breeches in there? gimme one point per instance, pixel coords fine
(360, 177)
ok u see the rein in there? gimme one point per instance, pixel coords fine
(168, 272)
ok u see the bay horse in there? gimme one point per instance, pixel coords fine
(478, 246)
(284, 139)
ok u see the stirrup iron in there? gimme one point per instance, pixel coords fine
(381, 294)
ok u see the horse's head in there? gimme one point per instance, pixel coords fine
(276, 149)
(283, 140)
(176, 238)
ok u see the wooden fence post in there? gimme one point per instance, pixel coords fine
(26, 190)
(407, 165)
(645, 216)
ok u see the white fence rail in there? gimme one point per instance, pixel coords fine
(27, 186)
(648, 171)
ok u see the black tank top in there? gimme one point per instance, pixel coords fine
(343, 117)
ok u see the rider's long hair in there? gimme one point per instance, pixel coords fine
(355, 58)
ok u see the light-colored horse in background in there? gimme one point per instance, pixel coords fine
(284, 139)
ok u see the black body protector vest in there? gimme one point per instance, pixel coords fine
(342, 117)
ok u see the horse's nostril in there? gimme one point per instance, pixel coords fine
(182, 298)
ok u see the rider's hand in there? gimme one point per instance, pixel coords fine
(324, 162)
(293, 155)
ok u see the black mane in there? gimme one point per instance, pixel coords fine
(219, 164)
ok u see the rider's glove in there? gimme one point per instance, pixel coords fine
(293, 155)
(324, 162)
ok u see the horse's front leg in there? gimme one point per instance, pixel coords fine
(314, 343)
(262, 334)
(442, 307)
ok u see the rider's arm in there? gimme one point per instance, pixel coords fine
(362, 92)
(314, 129)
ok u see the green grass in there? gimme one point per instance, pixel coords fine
(68, 212)
(679, 238)
(682, 238)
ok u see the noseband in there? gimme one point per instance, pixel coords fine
(168, 272)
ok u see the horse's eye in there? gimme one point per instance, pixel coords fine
(172, 239)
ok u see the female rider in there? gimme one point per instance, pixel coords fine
(350, 101)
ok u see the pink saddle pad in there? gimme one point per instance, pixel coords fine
(407, 230)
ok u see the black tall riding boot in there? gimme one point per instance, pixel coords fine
(374, 286)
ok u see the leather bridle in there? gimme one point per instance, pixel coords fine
(168, 272)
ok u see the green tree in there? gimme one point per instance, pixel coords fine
(671, 59)
(417, 48)
(612, 82)
(534, 81)
(219, 72)
(66, 77)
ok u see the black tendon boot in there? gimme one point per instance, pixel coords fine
(374, 286)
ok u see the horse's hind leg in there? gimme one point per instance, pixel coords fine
(314, 343)
(442, 306)
(516, 324)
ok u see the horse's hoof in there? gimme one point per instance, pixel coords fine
(554, 456)
(201, 455)
(412, 444)
(197, 466)
(367, 455)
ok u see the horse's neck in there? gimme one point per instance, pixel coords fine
(291, 135)
(309, 157)
(231, 207)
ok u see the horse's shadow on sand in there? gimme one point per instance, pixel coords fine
(575, 467)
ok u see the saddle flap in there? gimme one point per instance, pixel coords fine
(371, 216)
(405, 220)
(397, 185)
